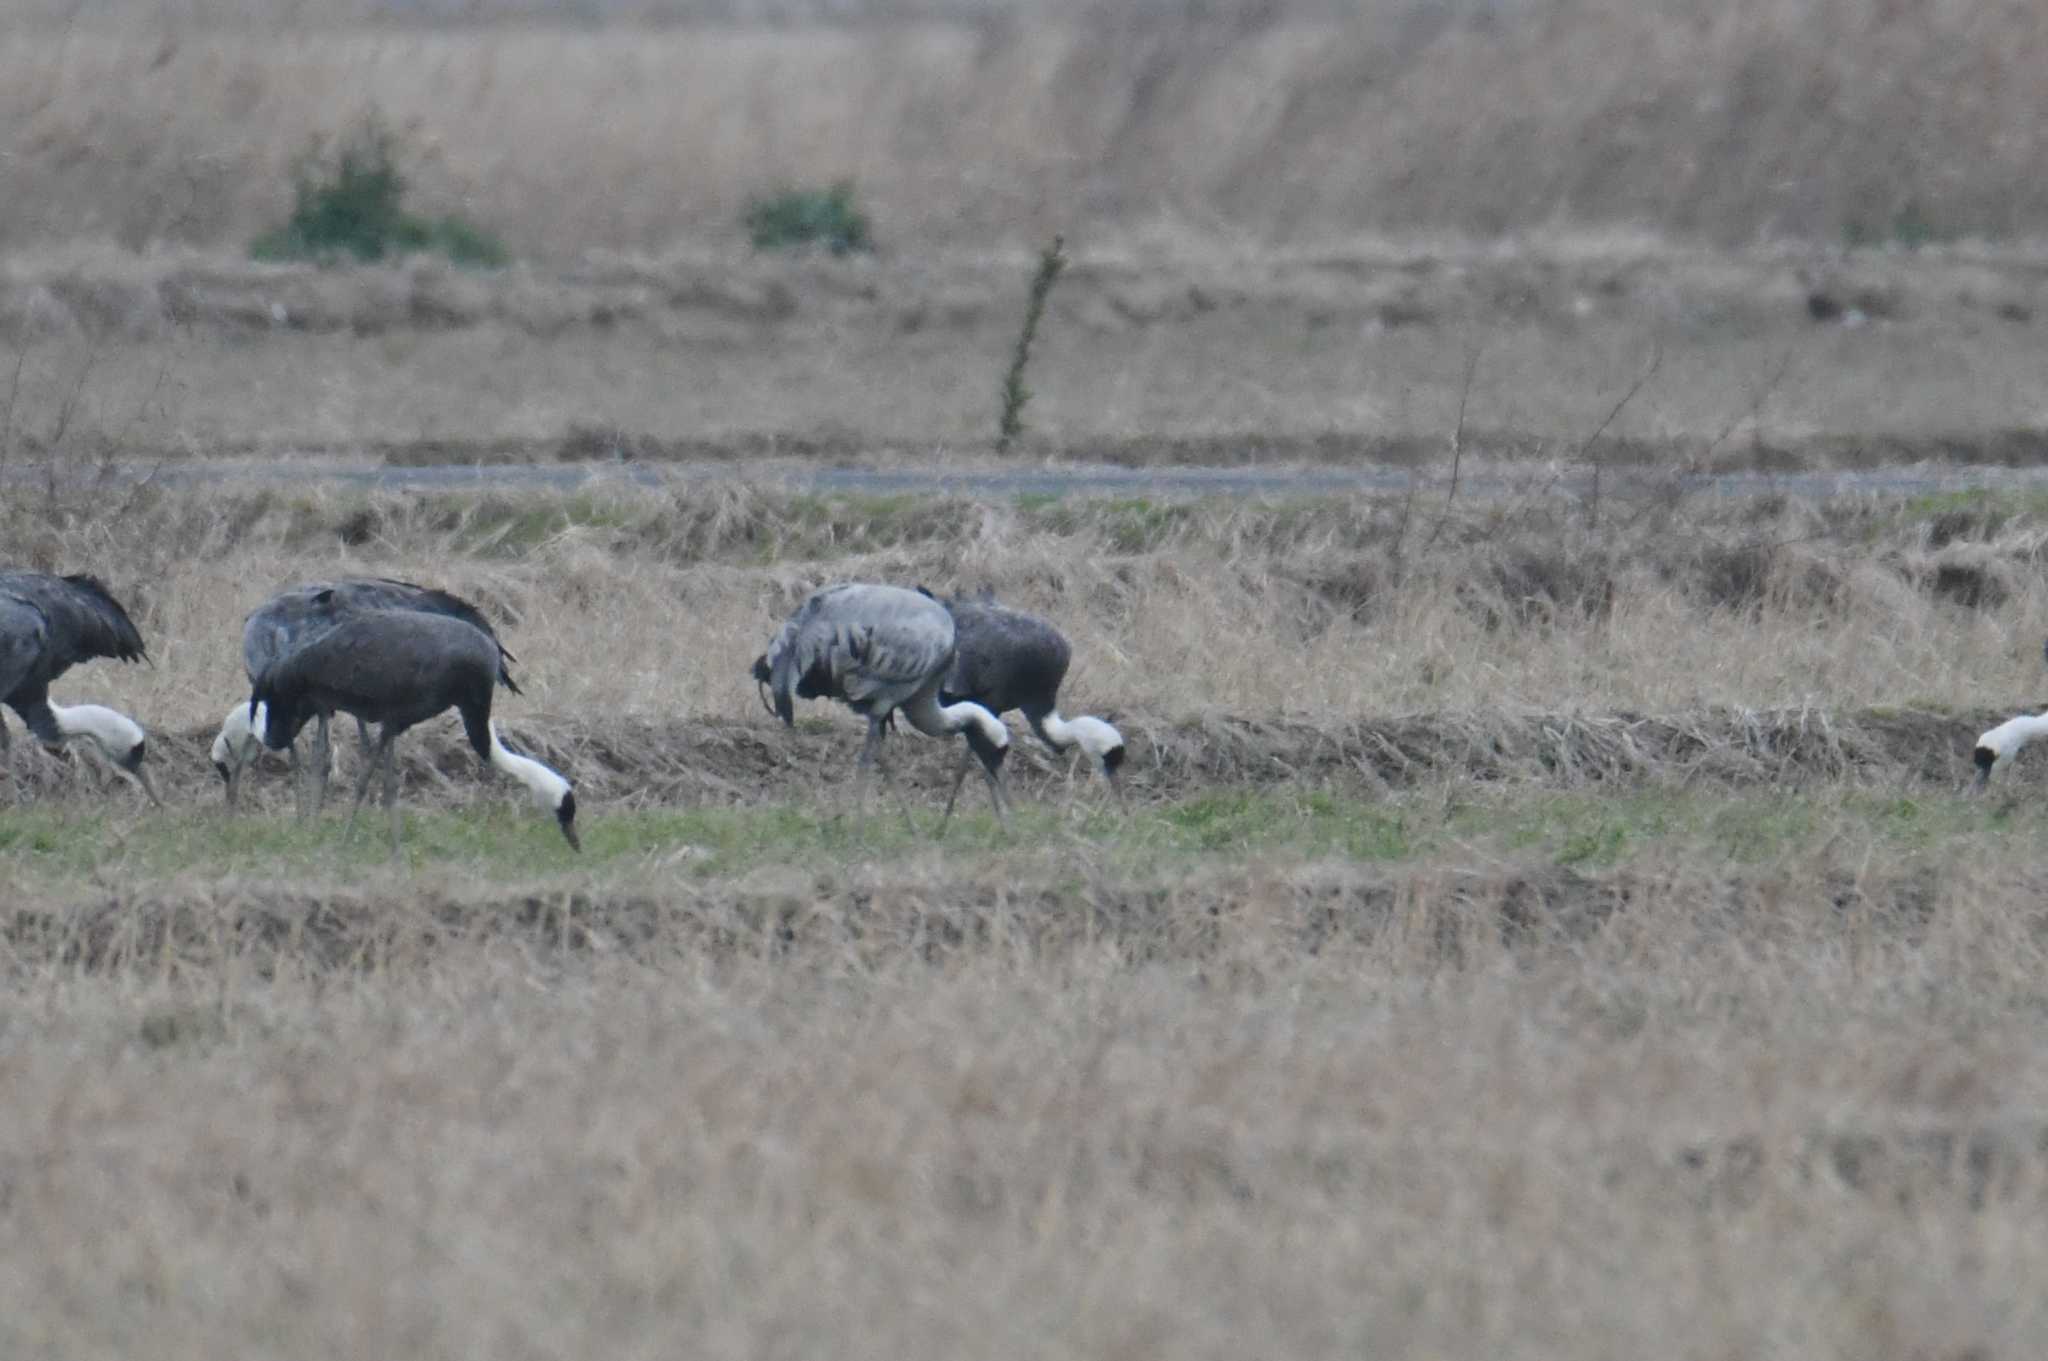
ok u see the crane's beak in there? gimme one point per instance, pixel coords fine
(1112, 764)
(131, 765)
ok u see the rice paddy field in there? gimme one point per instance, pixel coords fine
(1552, 918)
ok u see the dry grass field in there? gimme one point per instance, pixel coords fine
(1529, 939)
(1551, 919)
(1187, 355)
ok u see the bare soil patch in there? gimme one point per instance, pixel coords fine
(695, 762)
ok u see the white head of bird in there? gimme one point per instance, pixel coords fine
(1997, 748)
(119, 738)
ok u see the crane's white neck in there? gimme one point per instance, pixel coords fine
(2005, 740)
(959, 717)
(548, 789)
(240, 736)
(1092, 735)
(117, 734)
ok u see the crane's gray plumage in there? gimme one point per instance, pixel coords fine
(879, 650)
(1006, 659)
(295, 617)
(49, 624)
(398, 668)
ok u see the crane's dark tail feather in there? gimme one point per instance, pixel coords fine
(782, 679)
(505, 660)
(762, 675)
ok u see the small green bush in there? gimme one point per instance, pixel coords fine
(352, 203)
(803, 217)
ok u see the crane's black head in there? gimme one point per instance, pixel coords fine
(1985, 758)
(565, 818)
(988, 753)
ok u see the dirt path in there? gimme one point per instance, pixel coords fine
(1502, 482)
(692, 763)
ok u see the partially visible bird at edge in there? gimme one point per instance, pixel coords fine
(1997, 748)
(48, 624)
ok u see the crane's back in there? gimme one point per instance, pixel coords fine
(1006, 659)
(396, 667)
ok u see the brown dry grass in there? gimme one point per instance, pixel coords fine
(1054, 1099)
(1761, 119)
(637, 604)
(1692, 1130)
(1205, 356)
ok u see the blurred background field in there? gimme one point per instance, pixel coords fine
(638, 126)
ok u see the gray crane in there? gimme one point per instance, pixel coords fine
(1007, 659)
(48, 624)
(879, 650)
(398, 668)
(295, 617)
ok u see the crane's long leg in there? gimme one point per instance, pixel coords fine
(363, 781)
(895, 793)
(862, 765)
(323, 761)
(871, 759)
(997, 797)
(959, 779)
(391, 800)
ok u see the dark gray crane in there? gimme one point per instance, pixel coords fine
(295, 617)
(398, 668)
(49, 624)
(879, 650)
(1006, 659)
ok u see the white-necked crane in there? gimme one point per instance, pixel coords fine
(1007, 659)
(398, 668)
(879, 650)
(48, 624)
(295, 617)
